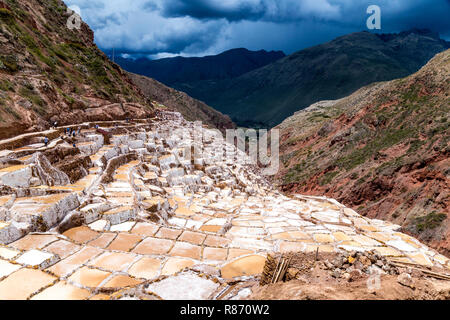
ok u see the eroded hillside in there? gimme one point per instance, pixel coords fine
(383, 150)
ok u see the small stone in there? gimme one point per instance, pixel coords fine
(355, 275)
(292, 273)
(406, 280)
(415, 273)
(346, 276)
(372, 290)
(336, 273)
(338, 263)
(358, 265)
(379, 263)
(365, 261)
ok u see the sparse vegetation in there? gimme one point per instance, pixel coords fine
(415, 145)
(430, 221)
(9, 63)
(12, 112)
(383, 140)
(29, 93)
(327, 178)
(6, 16)
(6, 85)
(63, 51)
(318, 116)
(36, 51)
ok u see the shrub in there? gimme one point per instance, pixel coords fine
(431, 221)
(34, 49)
(12, 112)
(327, 178)
(6, 85)
(9, 63)
(34, 98)
(6, 16)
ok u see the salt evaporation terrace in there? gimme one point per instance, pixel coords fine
(131, 217)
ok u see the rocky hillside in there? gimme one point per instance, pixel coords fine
(190, 108)
(384, 151)
(183, 73)
(268, 95)
(51, 73)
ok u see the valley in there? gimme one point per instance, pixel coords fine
(266, 96)
(117, 186)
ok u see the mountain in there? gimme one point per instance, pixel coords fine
(51, 73)
(190, 108)
(384, 151)
(180, 71)
(266, 96)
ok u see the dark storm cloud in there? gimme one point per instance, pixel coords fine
(282, 11)
(433, 15)
(400, 15)
(203, 9)
(200, 27)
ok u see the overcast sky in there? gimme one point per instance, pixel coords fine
(160, 28)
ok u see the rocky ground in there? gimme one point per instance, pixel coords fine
(129, 212)
(325, 279)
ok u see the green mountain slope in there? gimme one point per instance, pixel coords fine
(51, 73)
